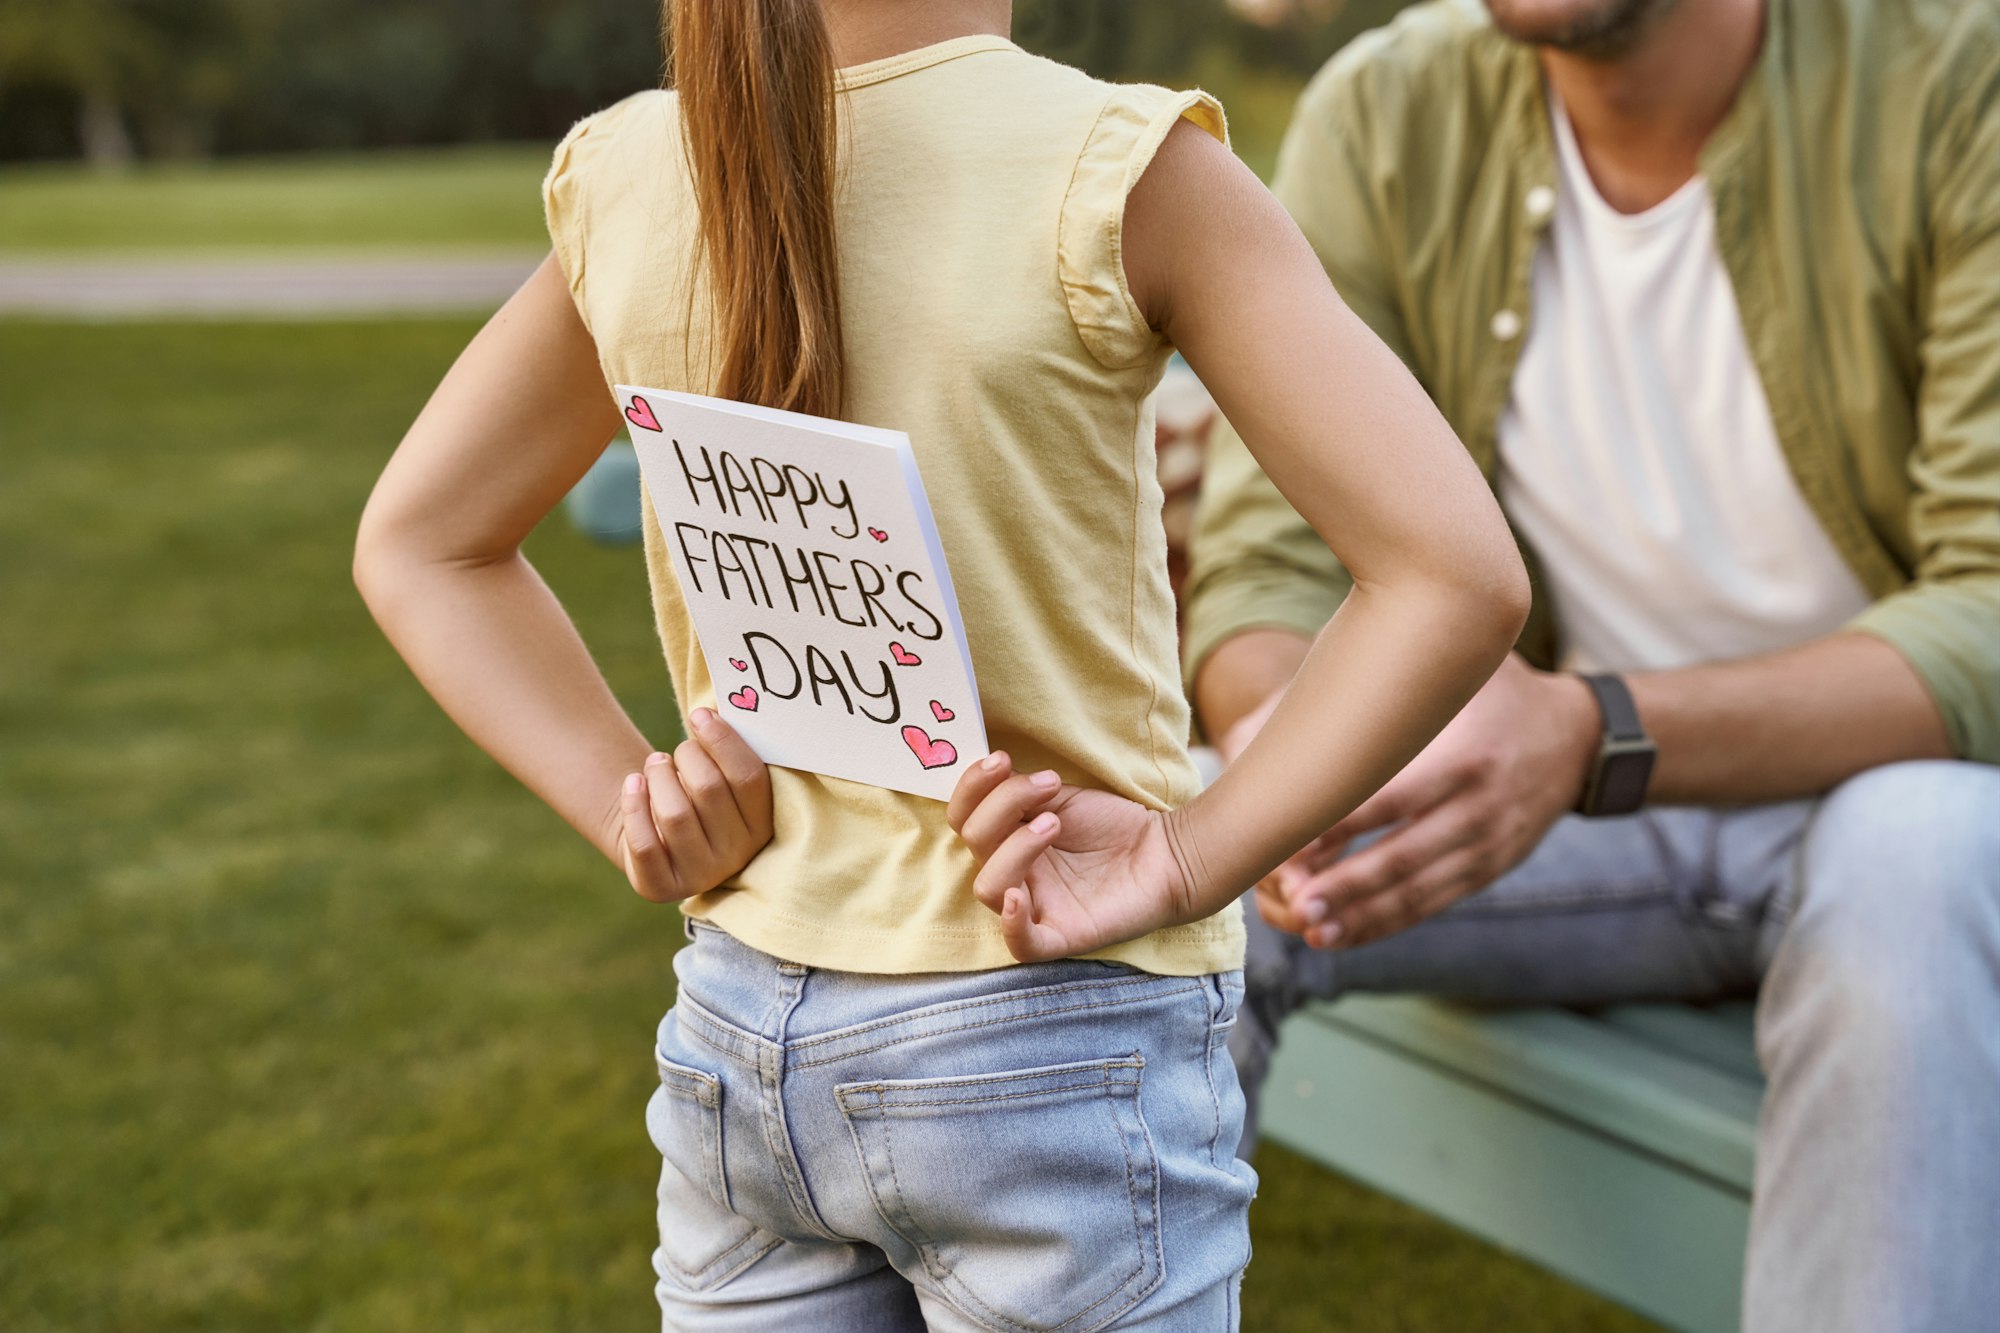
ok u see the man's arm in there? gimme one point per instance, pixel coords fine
(1242, 674)
(1478, 799)
(1786, 724)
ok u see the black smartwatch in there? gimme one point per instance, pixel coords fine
(1624, 763)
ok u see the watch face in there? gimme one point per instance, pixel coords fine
(1622, 776)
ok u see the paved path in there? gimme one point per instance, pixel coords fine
(296, 285)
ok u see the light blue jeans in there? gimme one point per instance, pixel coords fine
(1868, 925)
(1047, 1147)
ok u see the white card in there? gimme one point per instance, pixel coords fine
(811, 565)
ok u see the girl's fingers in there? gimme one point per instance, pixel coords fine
(973, 785)
(1009, 865)
(1004, 809)
(679, 825)
(1029, 940)
(647, 863)
(748, 778)
(708, 790)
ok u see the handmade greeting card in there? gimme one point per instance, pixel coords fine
(811, 566)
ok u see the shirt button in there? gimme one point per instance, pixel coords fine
(1541, 202)
(1506, 325)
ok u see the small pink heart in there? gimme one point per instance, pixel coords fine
(903, 656)
(878, 534)
(640, 414)
(739, 664)
(929, 753)
(745, 699)
(940, 712)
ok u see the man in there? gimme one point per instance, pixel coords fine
(1711, 290)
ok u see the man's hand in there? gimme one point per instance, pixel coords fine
(1466, 810)
(693, 819)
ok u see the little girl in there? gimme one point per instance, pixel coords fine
(948, 1067)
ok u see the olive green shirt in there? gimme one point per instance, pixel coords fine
(1856, 187)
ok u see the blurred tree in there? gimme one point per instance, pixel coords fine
(167, 66)
(179, 77)
(100, 51)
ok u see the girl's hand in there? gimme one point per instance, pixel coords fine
(1067, 869)
(695, 818)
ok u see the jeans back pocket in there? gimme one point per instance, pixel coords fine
(1031, 1197)
(703, 1241)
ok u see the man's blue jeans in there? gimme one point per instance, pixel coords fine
(1867, 923)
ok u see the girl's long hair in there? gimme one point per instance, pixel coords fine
(755, 79)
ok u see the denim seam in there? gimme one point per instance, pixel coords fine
(683, 1083)
(706, 1277)
(983, 1001)
(1132, 1197)
(743, 1047)
(1215, 1003)
(968, 1027)
(703, 1037)
(1580, 898)
(1144, 1289)
(1138, 1229)
(711, 1153)
(879, 1087)
(777, 1126)
(987, 1101)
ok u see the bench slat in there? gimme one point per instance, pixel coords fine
(1692, 1114)
(1719, 1036)
(1663, 1239)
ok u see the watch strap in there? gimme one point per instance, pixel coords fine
(1614, 704)
(1623, 768)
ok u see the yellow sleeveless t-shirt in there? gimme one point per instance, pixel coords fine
(981, 197)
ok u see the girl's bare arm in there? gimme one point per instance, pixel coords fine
(1359, 450)
(519, 418)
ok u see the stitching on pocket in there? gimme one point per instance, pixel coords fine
(1119, 1100)
(1027, 1015)
(987, 1001)
(705, 1091)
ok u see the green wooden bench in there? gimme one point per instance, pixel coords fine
(1612, 1147)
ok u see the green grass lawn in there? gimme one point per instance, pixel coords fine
(311, 1019)
(487, 195)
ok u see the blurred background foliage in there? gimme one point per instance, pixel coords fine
(115, 81)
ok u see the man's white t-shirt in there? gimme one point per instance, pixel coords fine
(1636, 453)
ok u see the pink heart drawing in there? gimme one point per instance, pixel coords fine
(903, 656)
(640, 414)
(745, 699)
(739, 664)
(929, 753)
(878, 534)
(940, 712)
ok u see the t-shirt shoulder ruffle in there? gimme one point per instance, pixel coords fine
(593, 146)
(1129, 129)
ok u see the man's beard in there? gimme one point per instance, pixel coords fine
(1595, 29)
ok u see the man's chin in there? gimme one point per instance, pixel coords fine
(1598, 29)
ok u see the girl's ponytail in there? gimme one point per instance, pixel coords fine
(755, 79)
